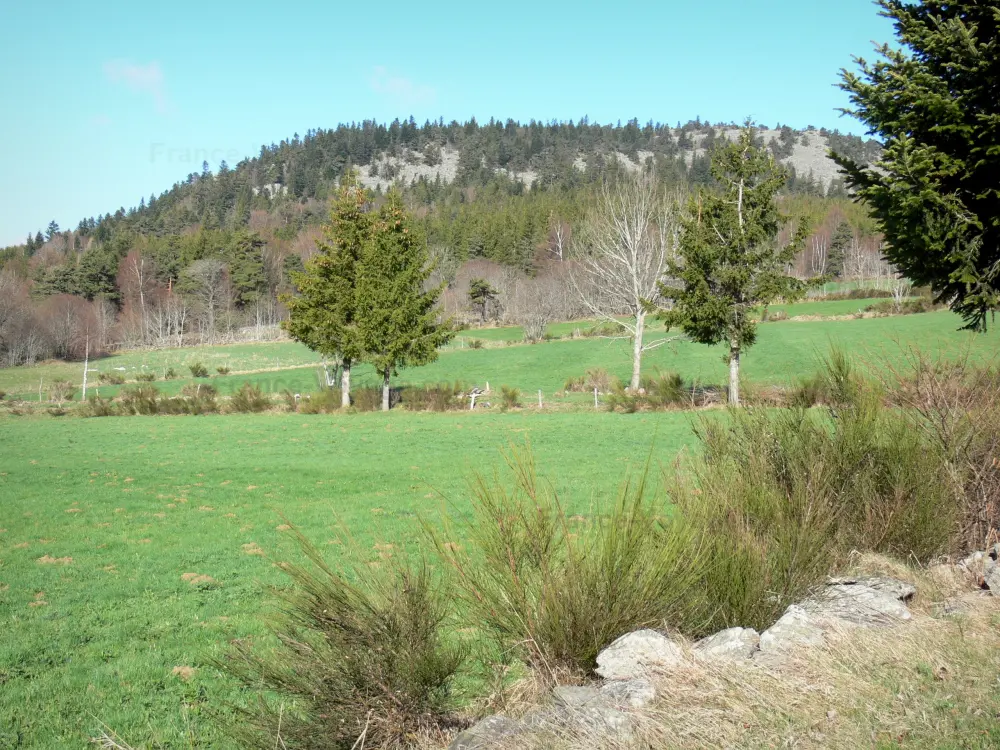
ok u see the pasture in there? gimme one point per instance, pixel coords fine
(134, 549)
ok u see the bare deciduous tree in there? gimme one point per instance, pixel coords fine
(207, 282)
(622, 250)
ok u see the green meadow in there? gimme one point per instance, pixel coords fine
(134, 549)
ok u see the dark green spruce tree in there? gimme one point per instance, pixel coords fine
(397, 319)
(730, 260)
(323, 313)
(935, 103)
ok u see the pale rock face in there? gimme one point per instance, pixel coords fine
(732, 643)
(486, 733)
(637, 655)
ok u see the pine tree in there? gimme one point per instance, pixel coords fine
(323, 313)
(397, 319)
(842, 238)
(52, 230)
(481, 294)
(246, 267)
(730, 261)
(936, 107)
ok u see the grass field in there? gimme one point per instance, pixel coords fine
(102, 519)
(132, 546)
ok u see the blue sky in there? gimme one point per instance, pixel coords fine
(108, 102)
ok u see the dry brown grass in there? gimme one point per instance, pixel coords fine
(931, 682)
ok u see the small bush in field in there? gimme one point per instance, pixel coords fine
(145, 377)
(290, 401)
(222, 370)
(139, 400)
(772, 316)
(911, 306)
(660, 392)
(475, 343)
(95, 406)
(61, 390)
(249, 398)
(363, 654)
(3, 395)
(195, 398)
(510, 398)
(170, 374)
(596, 377)
(605, 330)
(370, 399)
(198, 370)
(110, 378)
(324, 401)
(440, 397)
(835, 384)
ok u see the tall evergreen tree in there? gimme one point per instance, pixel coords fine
(323, 314)
(246, 267)
(397, 320)
(730, 259)
(936, 105)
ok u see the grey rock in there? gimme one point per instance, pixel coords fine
(624, 694)
(991, 577)
(732, 643)
(994, 552)
(892, 587)
(638, 654)
(486, 733)
(857, 603)
(973, 561)
(594, 716)
(797, 627)
(572, 696)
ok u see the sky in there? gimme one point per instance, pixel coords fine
(105, 103)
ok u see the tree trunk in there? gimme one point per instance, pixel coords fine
(640, 325)
(734, 373)
(345, 385)
(385, 390)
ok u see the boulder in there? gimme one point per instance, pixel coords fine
(637, 655)
(575, 697)
(732, 643)
(625, 694)
(991, 577)
(859, 604)
(891, 587)
(795, 628)
(486, 733)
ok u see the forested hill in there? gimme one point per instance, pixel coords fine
(434, 160)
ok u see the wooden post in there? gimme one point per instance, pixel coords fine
(39, 390)
(86, 363)
(539, 399)
(595, 396)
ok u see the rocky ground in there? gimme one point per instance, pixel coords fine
(887, 656)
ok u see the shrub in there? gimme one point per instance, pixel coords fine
(195, 398)
(440, 397)
(510, 398)
(836, 384)
(555, 590)
(780, 496)
(324, 401)
(595, 377)
(475, 343)
(370, 399)
(3, 395)
(61, 390)
(57, 411)
(771, 316)
(95, 406)
(198, 370)
(290, 400)
(145, 377)
(139, 400)
(606, 329)
(222, 370)
(909, 306)
(110, 378)
(660, 392)
(362, 653)
(249, 398)
(170, 374)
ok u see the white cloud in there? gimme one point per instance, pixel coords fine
(143, 79)
(403, 91)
